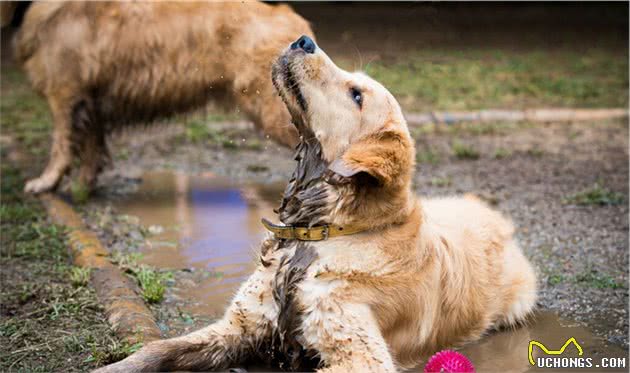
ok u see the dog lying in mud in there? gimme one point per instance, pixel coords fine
(105, 65)
(362, 275)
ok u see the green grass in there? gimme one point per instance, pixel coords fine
(51, 321)
(152, 282)
(587, 277)
(116, 352)
(595, 195)
(198, 130)
(463, 151)
(441, 182)
(24, 114)
(80, 276)
(477, 78)
(501, 153)
(556, 279)
(597, 280)
(427, 155)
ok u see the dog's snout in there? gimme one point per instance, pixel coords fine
(304, 43)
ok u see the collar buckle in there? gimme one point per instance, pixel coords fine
(325, 232)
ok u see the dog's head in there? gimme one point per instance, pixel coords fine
(358, 123)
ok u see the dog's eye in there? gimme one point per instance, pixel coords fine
(356, 96)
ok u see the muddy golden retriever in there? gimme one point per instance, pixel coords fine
(363, 276)
(103, 65)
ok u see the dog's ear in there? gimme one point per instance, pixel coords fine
(384, 157)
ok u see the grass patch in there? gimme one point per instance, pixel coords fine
(555, 279)
(198, 130)
(588, 277)
(463, 151)
(80, 276)
(597, 280)
(115, 352)
(152, 282)
(24, 113)
(427, 156)
(444, 79)
(50, 321)
(501, 153)
(595, 195)
(441, 182)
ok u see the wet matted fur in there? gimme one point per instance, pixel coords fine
(425, 274)
(105, 65)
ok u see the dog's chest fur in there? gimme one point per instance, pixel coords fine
(304, 203)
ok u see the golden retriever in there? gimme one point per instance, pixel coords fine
(363, 275)
(103, 65)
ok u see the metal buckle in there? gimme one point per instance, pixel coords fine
(325, 233)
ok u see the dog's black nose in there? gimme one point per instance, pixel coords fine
(304, 43)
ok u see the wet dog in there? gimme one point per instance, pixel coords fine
(105, 65)
(362, 275)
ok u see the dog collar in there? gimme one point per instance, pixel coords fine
(317, 233)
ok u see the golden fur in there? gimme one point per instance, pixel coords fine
(426, 274)
(102, 65)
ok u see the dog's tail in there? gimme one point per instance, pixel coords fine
(36, 19)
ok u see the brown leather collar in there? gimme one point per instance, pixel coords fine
(318, 233)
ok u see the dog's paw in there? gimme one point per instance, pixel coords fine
(39, 185)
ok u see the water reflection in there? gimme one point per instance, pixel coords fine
(204, 223)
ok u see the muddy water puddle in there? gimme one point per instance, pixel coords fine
(202, 225)
(210, 228)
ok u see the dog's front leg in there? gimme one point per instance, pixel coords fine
(347, 337)
(218, 346)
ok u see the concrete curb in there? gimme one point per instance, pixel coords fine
(126, 312)
(530, 115)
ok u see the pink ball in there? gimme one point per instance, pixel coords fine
(449, 362)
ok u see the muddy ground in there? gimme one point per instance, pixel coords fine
(532, 173)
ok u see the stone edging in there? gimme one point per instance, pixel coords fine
(530, 115)
(126, 311)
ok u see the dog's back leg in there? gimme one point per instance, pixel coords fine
(61, 153)
(245, 325)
